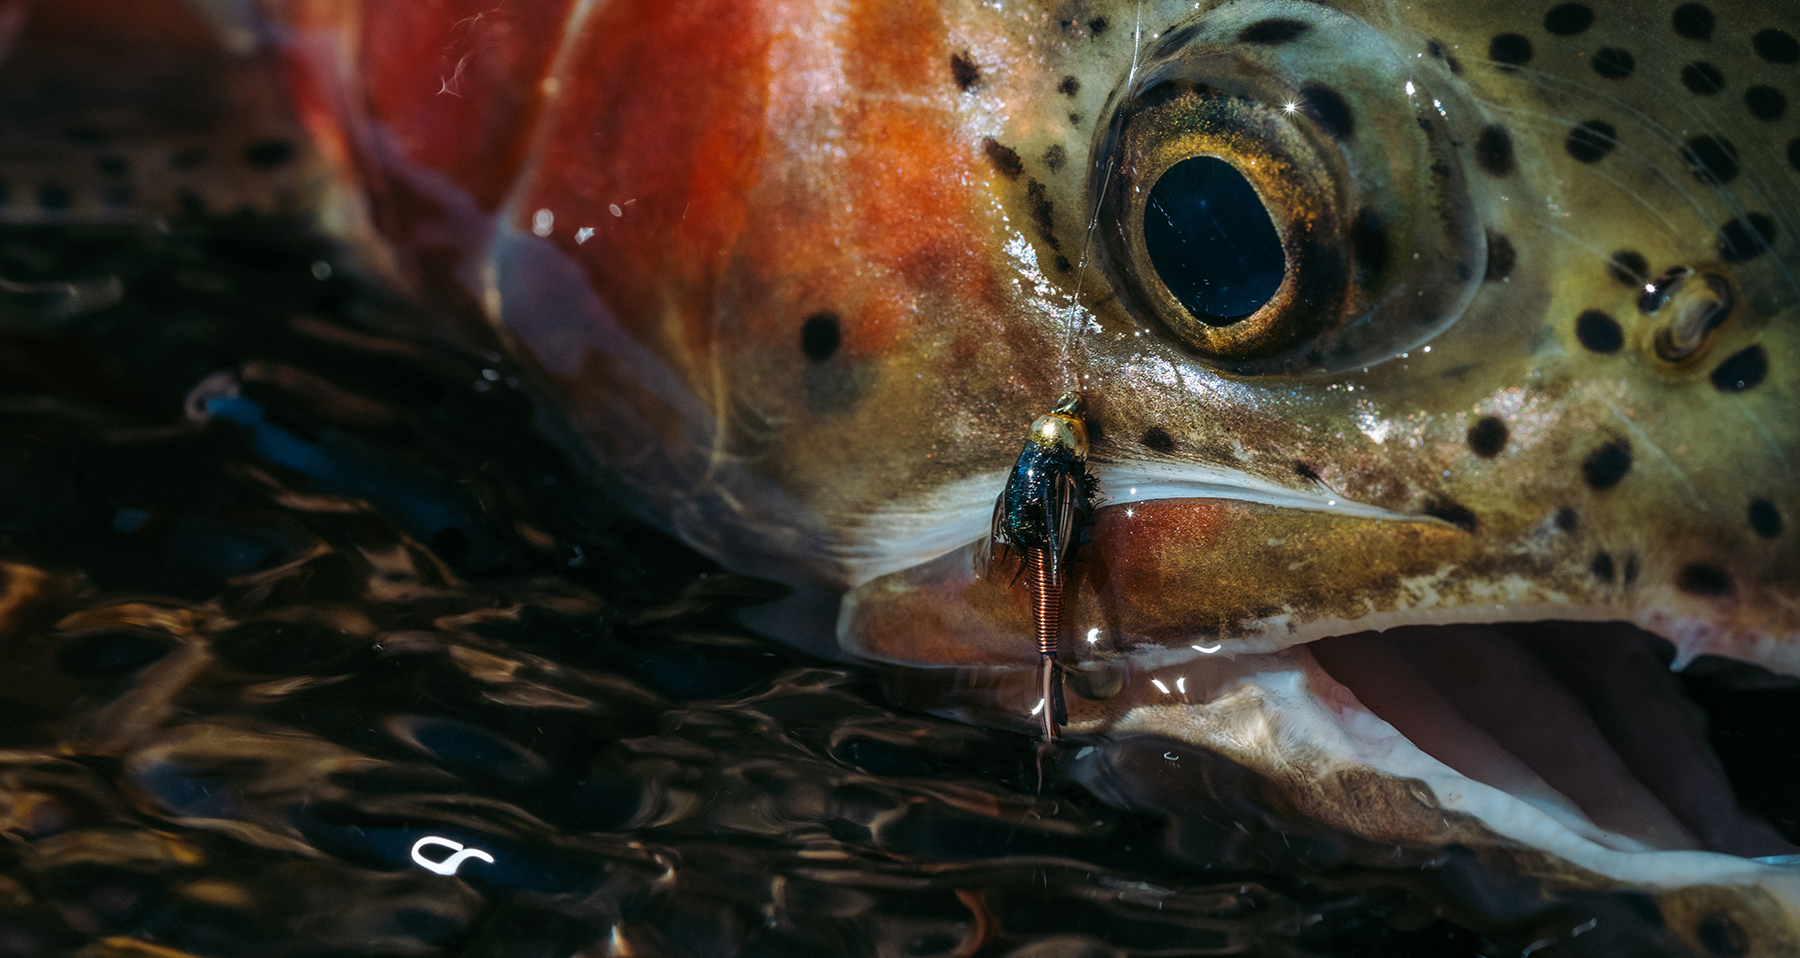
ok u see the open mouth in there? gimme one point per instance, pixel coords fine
(1571, 738)
(1583, 722)
(1228, 625)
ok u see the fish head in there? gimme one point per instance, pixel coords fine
(1508, 312)
(1381, 319)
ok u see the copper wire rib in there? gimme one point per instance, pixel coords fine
(1046, 599)
(1046, 617)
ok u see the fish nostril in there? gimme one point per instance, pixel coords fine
(1658, 291)
(1696, 308)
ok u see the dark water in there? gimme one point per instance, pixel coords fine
(263, 636)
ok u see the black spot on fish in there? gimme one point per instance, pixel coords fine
(112, 165)
(1569, 19)
(1069, 86)
(1700, 578)
(1712, 159)
(1702, 78)
(1494, 151)
(1370, 245)
(1329, 110)
(1098, 26)
(1004, 158)
(1765, 518)
(1591, 141)
(1776, 46)
(1765, 103)
(964, 71)
(1614, 63)
(1602, 567)
(1599, 332)
(820, 336)
(1074, 119)
(1605, 466)
(1630, 268)
(1693, 21)
(269, 154)
(1500, 258)
(1487, 437)
(1063, 265)
(1793, 152)
(1741, 370)
(1566, 519)
(1157, 439)
(1747, 237)
(1273, 31)
(1452, 512)
(1056, 157)
(1510, 49)
(1305, 471)
(1043, 212)
(187, 159)
(54, 197)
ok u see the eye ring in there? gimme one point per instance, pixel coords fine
(1171, 127)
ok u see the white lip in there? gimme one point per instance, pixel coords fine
(912, 531)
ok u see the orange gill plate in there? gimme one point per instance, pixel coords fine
(1505, 332)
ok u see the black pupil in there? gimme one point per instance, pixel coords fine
(1212, 242)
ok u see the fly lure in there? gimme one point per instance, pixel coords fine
(1048, 500)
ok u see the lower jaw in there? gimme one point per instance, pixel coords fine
(1570, 743)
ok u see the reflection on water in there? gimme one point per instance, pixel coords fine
(315, 646)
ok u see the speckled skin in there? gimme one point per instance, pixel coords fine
(921, 180)
(801, 271)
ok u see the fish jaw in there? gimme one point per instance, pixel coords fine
(1161, 576)
(1327, 770)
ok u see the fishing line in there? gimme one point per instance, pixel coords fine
(1075, 318)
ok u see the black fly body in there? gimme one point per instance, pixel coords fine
(1047, 503)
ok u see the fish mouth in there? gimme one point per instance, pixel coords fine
(1583, 722)
(1572, 737)
(1570, 743)
(1531, 725)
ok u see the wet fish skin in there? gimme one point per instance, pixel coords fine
(800, 293)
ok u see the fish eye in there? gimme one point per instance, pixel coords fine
(1211, 241)
(1286, 208)
(1220, 224)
